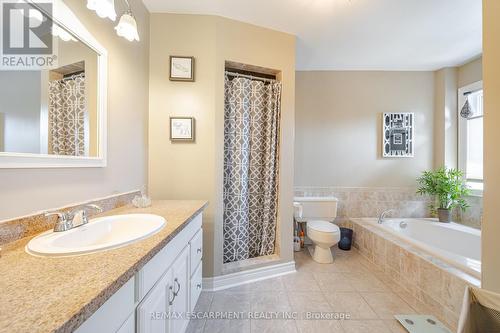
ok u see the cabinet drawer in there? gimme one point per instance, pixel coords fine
(196, 250)
(196, 285)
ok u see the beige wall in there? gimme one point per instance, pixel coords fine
(183, 171)
(491, 84)
(29, 190)
(195, 170)
(470, 72)
(447, 82)
(338, 127)
(445, 118)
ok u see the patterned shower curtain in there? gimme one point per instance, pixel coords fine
(67, 111)
(251, 145)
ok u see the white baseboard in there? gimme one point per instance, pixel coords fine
(226, 281)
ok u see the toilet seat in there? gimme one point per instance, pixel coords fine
(323, 226)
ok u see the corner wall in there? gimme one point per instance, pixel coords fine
(445, 118)
(25, 191)
(491, 84)
(195, 170)
(447, 82)
(470, 72)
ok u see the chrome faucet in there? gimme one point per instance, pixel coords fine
(66, 220)
(383, 214)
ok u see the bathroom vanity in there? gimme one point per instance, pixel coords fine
(167, 286)
(148, 286)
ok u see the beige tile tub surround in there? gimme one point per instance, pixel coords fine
(425, 282)
(17, 228)
(371, 201)
(58, 294)
(473, 216)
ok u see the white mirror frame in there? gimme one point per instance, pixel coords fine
(64, 17)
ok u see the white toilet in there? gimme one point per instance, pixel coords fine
(318, 213)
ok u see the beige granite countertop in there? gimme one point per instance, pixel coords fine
(43, 294)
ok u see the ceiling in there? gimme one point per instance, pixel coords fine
(359, 34)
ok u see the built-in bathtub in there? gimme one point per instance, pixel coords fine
(429, 261)
(456, 244)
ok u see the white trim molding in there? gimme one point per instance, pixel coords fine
(226, 281)
(66, 19)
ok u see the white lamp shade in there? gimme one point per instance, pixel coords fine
(103, 8)
(127, 28)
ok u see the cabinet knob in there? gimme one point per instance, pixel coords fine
(199, 250)
(198, 286)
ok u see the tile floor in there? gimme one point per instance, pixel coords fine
(346, 286)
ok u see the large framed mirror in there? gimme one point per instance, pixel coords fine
(55, 116)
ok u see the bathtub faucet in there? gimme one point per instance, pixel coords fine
(383, 214)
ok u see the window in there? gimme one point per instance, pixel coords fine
(470, 135)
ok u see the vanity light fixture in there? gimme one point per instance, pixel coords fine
(103, 8)
(127, 26)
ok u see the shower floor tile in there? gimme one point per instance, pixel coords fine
(349, 291)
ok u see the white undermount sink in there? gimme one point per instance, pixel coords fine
(99, 234)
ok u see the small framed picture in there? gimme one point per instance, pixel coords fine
(181, 68)
(182, 129)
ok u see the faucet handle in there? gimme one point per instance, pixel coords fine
(80, 216)
(64, 220)
(86, 207)
(95, 207)
(61, 215)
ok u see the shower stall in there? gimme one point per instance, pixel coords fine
(252, 112)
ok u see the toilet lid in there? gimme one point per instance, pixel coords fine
(323, 226)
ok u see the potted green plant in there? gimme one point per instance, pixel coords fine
(449, 189)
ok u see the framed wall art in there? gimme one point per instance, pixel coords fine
(398, 139)
(182, 129)
(181, 68)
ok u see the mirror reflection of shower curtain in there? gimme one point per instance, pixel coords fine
(251, 145)
(67, 116)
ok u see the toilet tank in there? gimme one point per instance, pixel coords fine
(316, 208)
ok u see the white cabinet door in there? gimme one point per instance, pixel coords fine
(181, 283)
(152, 313)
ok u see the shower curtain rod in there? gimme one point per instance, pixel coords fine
(249, 77)
(472, 91)
(72, 75)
